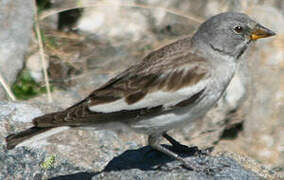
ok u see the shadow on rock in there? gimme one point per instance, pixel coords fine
(145, 163)
(76, 176)
(147, 159)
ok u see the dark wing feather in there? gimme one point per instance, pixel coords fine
(175, 70)
(169, 74)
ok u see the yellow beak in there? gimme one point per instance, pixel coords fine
(260, 31)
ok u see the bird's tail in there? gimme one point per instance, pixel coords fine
(31, 135)
(49, 124)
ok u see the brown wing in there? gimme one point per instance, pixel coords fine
(155, 73)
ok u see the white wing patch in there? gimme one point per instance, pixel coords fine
(154, 99)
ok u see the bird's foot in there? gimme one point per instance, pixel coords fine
(194, 150)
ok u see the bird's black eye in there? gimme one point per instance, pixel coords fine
(238, 29)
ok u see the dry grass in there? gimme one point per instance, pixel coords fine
(41, 50)
(7, 88)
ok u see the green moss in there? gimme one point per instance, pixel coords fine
(48, 163)
(26, 87)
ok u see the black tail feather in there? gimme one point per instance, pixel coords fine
(14, 139)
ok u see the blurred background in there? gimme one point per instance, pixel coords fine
(74, 46)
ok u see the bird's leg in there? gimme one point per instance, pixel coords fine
(178, 145)
(185, 148)
(154, 142)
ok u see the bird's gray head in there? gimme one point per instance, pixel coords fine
(229, 33)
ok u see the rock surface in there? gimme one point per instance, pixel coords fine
(99, 154)
(25, 163)
(131, 164)
(16, 20)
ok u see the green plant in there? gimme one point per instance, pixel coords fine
(26, 87)
(48, 162)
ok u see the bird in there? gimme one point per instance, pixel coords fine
(171, 87)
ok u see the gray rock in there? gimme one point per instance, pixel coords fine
(16, 19)
(144, 164)
(132, 164)
(24, 163)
